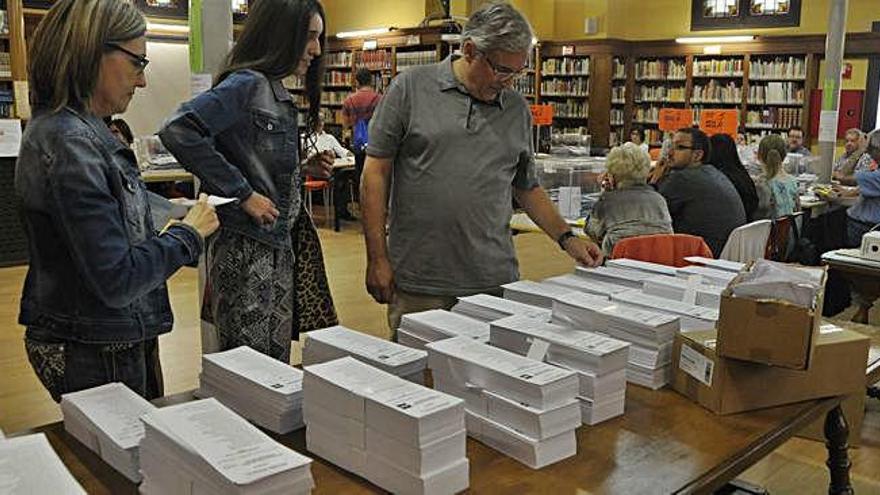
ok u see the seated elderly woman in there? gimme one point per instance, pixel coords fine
(628, 206)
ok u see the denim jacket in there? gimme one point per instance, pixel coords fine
(239, 137)
(97, 266)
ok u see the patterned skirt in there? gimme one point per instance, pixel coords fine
(262, 296)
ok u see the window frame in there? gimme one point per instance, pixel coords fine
(744, 19)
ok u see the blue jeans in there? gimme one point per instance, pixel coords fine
(66, 366)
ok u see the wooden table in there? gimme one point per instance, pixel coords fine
(167, 175)
(663, 444)
(864, 275)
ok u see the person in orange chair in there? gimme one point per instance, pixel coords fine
(628, 206)
(701, 200)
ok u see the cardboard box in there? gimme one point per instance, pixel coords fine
(727, 386)
(767, 331)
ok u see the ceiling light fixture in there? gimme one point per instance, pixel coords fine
(695, 40)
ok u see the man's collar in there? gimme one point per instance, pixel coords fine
(449, 81)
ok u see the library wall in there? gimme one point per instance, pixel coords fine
(348, 15)
(167, 87)
(859, 79)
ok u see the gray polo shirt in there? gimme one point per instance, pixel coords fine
(455, 159)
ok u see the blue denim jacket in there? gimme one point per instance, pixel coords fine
(239, 137)
(97, 266)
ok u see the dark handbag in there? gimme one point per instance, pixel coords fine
(313, 303)
(801, 249)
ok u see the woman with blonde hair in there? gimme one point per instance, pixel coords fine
(628, 206)
(777, 190)
(94, 301)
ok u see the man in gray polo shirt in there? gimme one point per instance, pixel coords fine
(450, 143)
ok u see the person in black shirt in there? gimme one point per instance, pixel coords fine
(725, 158)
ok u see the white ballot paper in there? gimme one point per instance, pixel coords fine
(115, 410)
(28, 465)
(335, 342)
(259, 368)
(237, 450)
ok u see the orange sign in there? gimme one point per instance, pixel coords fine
(542, 114)
(673, 119)
(719, 121)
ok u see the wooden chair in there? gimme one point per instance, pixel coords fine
(665, 249)
(311, 185)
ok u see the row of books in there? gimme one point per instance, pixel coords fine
(570, 108)
(572, 86)
(565, 66)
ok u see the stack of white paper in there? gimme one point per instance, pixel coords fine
(620, 276)
(257, 387)
(727, 265)
(488, 308)
(710, 276)
(587, 285)
(402, 436)
(203, 447)
(336, 342)
(106, 419)
(599, 361)
(29, 465)
(534, 293)
(692, 317)
(679, 289)
(651, 333)
(419, 329)
(524, 408)
(644, 266)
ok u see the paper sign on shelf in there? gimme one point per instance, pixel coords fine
(370, 44)
(542, 114)
(22, 99)
(567, 50)
(828, 126)
(719, 121)
(10, 137)
(673, 119)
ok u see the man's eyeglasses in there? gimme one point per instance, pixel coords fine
(139, 61)
(682, 147)
(502, 72)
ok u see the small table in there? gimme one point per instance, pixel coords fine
(663, 444)
(863, 274)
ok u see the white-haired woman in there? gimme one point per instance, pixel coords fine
(628, 206)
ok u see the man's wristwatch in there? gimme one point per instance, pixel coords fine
(564, 237)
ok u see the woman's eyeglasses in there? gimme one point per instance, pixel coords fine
(139, 61)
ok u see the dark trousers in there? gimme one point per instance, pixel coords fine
(67, 366)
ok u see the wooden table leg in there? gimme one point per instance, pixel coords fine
(836, 434)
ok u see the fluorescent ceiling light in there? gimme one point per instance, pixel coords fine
(714, 39)
(167, 28)
(363, 32)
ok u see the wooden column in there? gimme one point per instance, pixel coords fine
(18, 57)
(601, 75)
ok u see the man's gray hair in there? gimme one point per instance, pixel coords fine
(498, 26)
(874, 140)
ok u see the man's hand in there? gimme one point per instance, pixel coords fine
(380, 280)
(584, 251)
(320, 165)
(260, 208)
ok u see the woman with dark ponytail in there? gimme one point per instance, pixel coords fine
(777, 190)
(266, 279)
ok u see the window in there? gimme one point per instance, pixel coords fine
(739, 14)
(164, 8)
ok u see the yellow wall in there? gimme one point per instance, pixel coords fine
(859, 79)
(348, 15)
(564, 19)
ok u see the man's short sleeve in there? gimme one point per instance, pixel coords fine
(526, 177)
(390, 120)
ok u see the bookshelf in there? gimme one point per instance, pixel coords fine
(617, 118)
(660, 82)
(565, 85)
(716, 82)
(776, 95)
(526, 84)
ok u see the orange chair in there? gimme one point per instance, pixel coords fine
(326, 187)
(665, 249)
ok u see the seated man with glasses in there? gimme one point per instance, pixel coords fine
(701, 199)
(450, 144)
